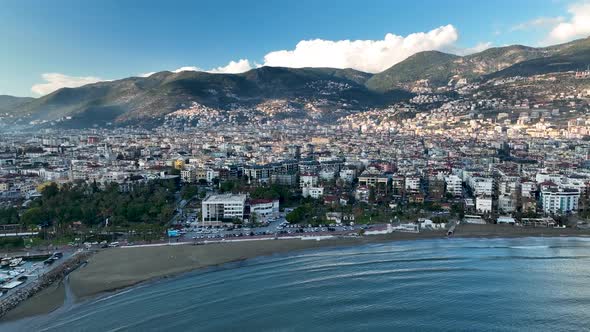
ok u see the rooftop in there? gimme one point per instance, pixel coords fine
(224, 198)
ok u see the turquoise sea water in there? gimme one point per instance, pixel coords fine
(527, 284)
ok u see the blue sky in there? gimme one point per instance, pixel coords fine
(84, 41)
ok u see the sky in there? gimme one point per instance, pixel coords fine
(46, 45)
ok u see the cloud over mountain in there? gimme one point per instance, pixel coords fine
(540, 22)
(365, 55)
(371, 56)
(187, 68)
(577, 26)
(55, 81)
(233, 67)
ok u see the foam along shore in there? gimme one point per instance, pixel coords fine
(116, 268)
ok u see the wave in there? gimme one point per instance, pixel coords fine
(534, 257)
(528, 247)
(331, 266)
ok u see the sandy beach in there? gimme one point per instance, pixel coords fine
(117, 268)
(44, 302)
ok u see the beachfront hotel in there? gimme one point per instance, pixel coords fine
(560, 201)
(226, 207)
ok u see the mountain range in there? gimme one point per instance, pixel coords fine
(137, 100)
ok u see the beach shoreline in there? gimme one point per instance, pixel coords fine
(115, 269)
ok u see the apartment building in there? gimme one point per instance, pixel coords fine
(226, 207)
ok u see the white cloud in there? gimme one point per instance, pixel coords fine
(179, 70)
(365, 55)
(146, 74)
(55, 81)
(540, 22)
(187, 68)
(470, 50)
(233, 67)
(577, 26)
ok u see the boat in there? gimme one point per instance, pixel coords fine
(12, 284)
(16, 262)
(5, 262)
(13, 273)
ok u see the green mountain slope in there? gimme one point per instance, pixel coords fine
(139, 99)
(566, 57)
(514, 60)
(11, 105)
(435, 66)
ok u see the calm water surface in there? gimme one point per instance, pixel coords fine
(528, 284)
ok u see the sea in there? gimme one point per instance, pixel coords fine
(515, 284)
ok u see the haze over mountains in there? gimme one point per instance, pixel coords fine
(141, 100)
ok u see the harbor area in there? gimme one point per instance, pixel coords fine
(24, 274)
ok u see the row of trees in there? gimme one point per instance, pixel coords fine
(312, 211)
(151, 202)
(283, 193)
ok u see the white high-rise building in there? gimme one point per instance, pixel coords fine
(506, 203)
(483, 204)
(528, 188)
(560, 201)
(481, 186)
(412, 184)
(348, 174)
(454, 185)
(313, 192)
(217, 208)
(308, 180)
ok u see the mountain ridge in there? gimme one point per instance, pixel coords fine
(144, 99)
(441, 67)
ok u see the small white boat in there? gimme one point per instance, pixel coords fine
(16, 262)
(5, 262)
(12, 284)
(13, 273)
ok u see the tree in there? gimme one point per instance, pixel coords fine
(50, 191)
(227, 186)
(458, 210)
(33, 216)
(151, 202)
(189, 191)
(372, 195)
(303, 213)
(8, 216)
(297, 215)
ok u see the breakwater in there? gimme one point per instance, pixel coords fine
(56, 274)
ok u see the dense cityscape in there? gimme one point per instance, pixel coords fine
(308, 166)
(495, 160)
